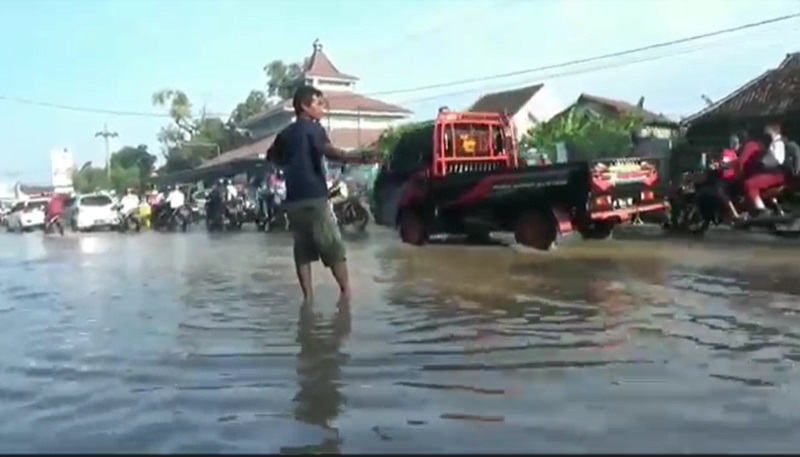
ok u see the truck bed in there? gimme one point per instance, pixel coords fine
(468, 187)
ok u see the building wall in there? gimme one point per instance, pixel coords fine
(540, 108)
(274, 124)
(331, 85)
(344, 121)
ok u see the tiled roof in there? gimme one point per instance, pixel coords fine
(510, 101)
(622, 107)
(351, 101)
(320, 65)
(774, 93)
(341, 138)
(249, 151)
(337, 101)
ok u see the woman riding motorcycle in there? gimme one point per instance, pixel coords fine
(766, 172)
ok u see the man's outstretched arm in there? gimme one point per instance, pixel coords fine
(323, 143)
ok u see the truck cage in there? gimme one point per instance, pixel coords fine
(474, 153)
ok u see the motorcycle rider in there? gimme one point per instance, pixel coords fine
(231, 192)
(55, 207)
(728, 166)
(216, 200)
(129, 202)
(176, 199)
(768, 172)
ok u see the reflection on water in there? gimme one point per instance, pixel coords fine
(319, 364)
(187, 343)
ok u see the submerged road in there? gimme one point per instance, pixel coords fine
(199, 343)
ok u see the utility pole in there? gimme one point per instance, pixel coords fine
(106, 135)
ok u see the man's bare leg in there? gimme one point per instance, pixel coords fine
(304, 278)
(339, 270)
(732, 208)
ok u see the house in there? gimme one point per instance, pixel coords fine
(654, 125)
(772, 96)
(352, 120)
(527, 106)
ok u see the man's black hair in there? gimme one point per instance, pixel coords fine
(303, 96)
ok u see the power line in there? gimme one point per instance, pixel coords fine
(25, 101)
(547, 76)
(627, 52)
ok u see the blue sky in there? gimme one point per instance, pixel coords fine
(113, 54)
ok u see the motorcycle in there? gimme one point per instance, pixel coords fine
(249, 210)
(699, 203)
(171, 219)
(222, 215)
(54, 224)
(269, 213)
(128, 221)
(348, 210)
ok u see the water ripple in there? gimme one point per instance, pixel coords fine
(150, 344)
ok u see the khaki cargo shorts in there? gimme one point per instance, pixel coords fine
(316, 234)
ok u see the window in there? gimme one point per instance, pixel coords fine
(96, 200)
(17, 207)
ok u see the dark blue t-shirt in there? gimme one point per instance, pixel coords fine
(300, 148)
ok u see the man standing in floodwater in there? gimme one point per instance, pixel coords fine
(298, 150)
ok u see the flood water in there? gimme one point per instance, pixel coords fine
(199, 343)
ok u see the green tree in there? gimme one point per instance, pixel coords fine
(89, 179)
(191, 139)
(131, 167)
(587, 134)
(255, 103)
(132, 161)
(283, 79)
(389, 137)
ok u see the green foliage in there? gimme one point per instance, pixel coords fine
(89, 179)
(389, 138)
(130, 167)
(587, 135)
(191, 139)
(283, 79)
(255, 103)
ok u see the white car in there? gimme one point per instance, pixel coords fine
(91, 211)
(27, 215)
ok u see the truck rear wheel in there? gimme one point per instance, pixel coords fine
(412, 228)
(536, 230)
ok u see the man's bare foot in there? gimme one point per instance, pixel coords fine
(344, 296)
